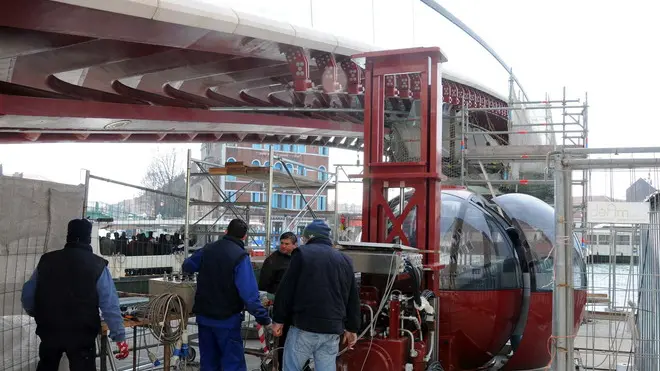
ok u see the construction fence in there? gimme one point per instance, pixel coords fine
(608, 199)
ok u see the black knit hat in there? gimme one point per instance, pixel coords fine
(79, 230)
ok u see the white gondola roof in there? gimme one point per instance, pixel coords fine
(221, 18)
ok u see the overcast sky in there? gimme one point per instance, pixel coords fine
(602, 47)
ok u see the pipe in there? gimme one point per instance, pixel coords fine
(371, 321)
(458, 23)
(611, 151)
(413, 352)
(436, 317)
(269, 207)
(186, 228)
(482, 109)
(286, 109)
(431, 345)
(623, 163)
(504, 132)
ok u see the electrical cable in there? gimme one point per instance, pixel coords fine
(388, 290)
(166, 308)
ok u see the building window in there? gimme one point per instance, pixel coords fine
(277, 147)
(256, 146)
(231, 196)
(278, 166)
(256, 197)
(290, 167)
(267, 163)
(256, 163)
(321, 203)
(325, 151)
(302, 170)
(231, 178)
(286, 147)
(289, 201)
(322, 175)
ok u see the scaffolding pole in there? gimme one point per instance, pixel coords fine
(186, 227)
(86, 199)
(269, 207)
(623, 163)
(562, 298)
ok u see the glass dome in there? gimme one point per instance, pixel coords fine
(536, 220)
(475, 249)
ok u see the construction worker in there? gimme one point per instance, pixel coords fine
(64, 296)
(319, 293)
(271, 274)
(225, 286)
(276, 264)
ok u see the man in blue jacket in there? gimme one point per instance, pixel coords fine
(319, 293)
(64, 296)
(225, 286)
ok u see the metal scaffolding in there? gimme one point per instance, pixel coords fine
(260, 214)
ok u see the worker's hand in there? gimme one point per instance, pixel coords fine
(350, 338)
(277, 329)
(123, 350)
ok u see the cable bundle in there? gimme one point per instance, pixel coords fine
(166, 307)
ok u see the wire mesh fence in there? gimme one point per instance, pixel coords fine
(142, 233)
(619, 330)
(33, 221)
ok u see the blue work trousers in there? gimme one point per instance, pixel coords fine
(221, 349)
(302, 345)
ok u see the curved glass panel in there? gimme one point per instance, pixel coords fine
(536, 219)
(475, 250)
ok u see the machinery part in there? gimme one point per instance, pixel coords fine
(184, 288)
(434, 366)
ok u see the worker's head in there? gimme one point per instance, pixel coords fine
(237, 229)
(79, 230)
(288, 242)
(316, 229)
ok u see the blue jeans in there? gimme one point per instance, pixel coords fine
(221, 349)
(302, 345)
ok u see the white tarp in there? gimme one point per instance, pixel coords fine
(33, 220)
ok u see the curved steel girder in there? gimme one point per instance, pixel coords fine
(28, 113)
(16, 42)
(351, 143)
(33, 69)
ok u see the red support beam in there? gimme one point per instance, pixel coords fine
(422, 175)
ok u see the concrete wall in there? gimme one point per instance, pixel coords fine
(33, 220)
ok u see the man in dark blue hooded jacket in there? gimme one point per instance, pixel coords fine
(318, 293)
(225, 286)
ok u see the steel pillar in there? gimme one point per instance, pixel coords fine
(423, 176)
(562, 298)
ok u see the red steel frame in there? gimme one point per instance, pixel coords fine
(422, 176)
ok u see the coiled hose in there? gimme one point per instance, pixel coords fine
(166, 308)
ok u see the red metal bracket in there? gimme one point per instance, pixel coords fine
(299, 67)
(326, 62)
(354, 76)
(403, 85)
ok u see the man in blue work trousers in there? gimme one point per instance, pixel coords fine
(225, 286)
(319, 293)
(64, 295)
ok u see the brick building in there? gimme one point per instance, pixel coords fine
(285, 203)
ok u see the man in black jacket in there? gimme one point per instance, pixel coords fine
(319, 293)
(277, 263)
(271, 275)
